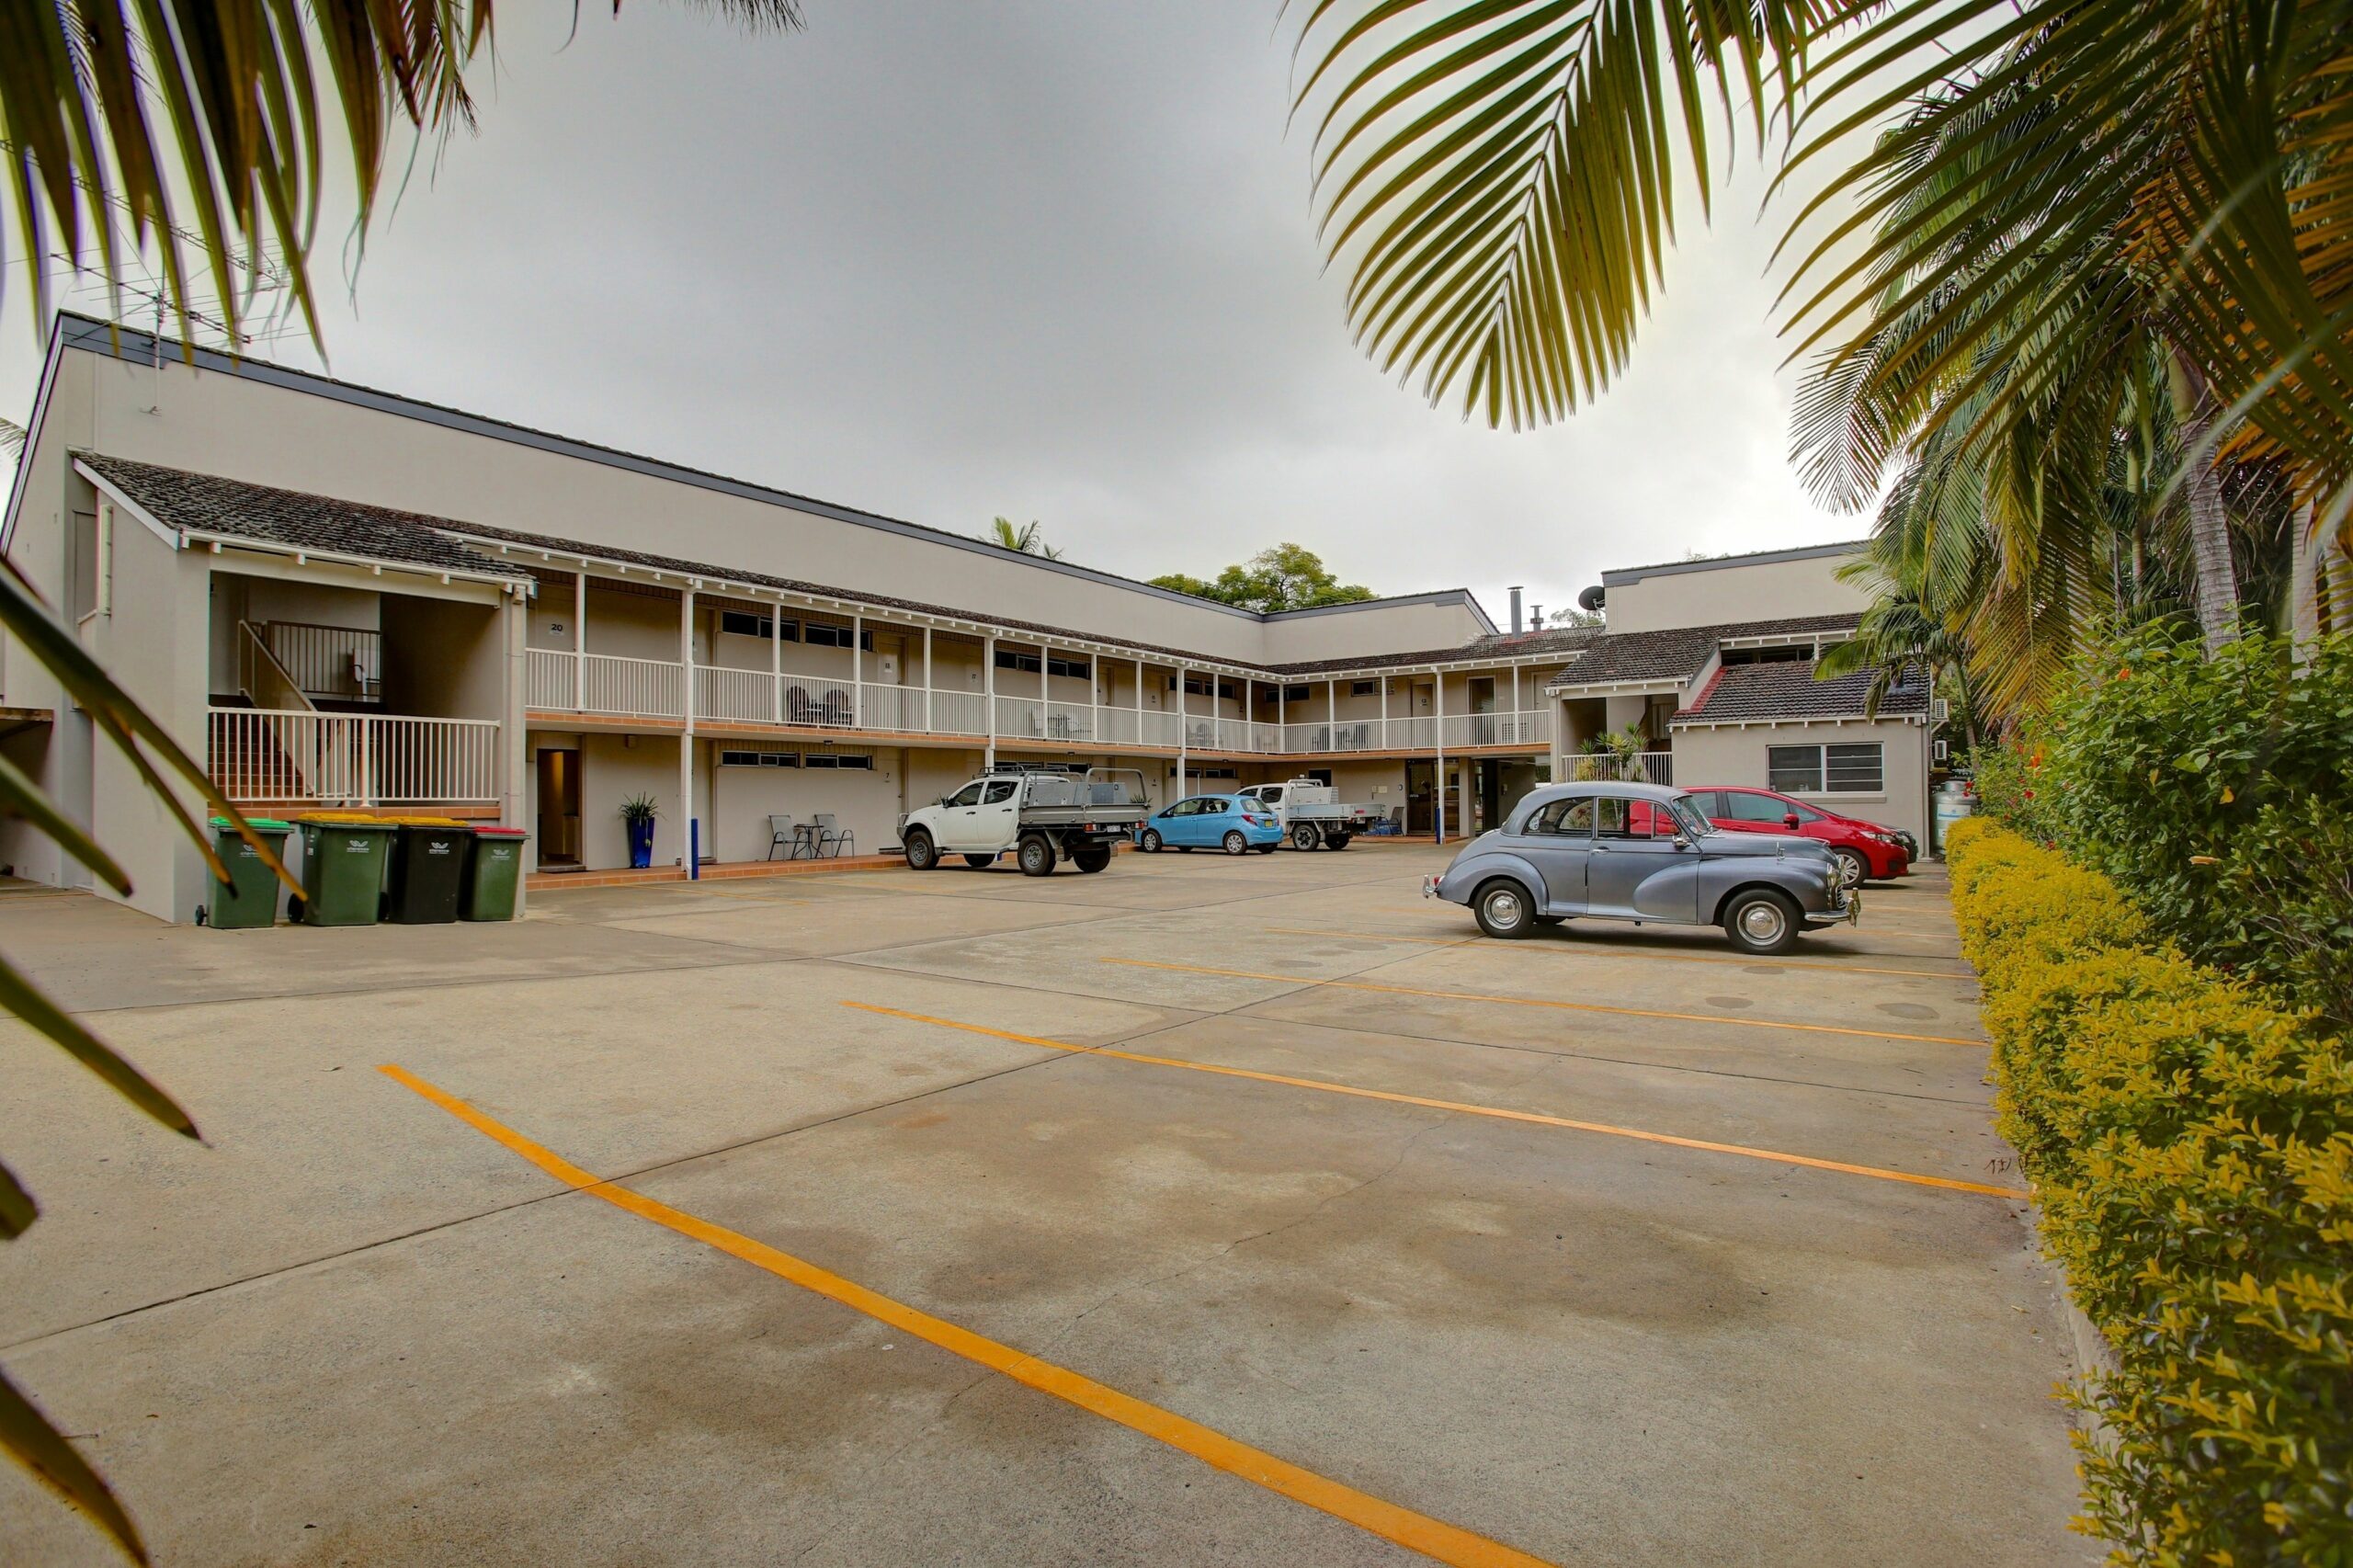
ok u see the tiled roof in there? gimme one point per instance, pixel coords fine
(301, 520)
(291, 518)
(1676, 653)
(1787, 689)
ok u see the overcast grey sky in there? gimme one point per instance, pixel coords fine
(1052, 260)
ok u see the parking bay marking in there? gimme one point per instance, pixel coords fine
(1327, 1087)
(1547, 1002)
(1606, 952)
(1417, 1532)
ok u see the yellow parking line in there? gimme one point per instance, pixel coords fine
(1417, 1532)
(1542, 1001)
(1327, 1087)
(1605, 952)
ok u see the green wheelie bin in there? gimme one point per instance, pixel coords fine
(343, 868)
(249, 898)
(429, 870)
(493, 873)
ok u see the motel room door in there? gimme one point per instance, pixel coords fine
(559, 788)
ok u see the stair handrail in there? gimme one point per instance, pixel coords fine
(262, 678)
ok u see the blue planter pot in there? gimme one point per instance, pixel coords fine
(641, 845)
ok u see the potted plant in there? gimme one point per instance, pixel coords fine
(638, 814)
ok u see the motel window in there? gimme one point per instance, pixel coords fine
(744, 623)
(836, 759)
(1016, 659)
(1363, 687)
(1199, 686)
(1850, 770)
(1082, 669)
(1197, 773)
(759, 760)
(819, 635)
(1294, 694)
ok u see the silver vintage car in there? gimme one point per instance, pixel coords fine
(1641, 852)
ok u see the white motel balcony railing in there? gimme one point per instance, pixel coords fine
(296, 757)
(1636, 767)
(602, 684)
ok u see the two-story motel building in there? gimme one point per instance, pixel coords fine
(339, 596)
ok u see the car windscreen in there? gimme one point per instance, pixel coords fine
(1690, 815)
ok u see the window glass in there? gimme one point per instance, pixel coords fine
(1795, 770)
(1000, 791)
(1213, 808)
(1708, 803)
(1693, 819)
(1060, 666)
(867, 763)
(1854, 769)
(742, 624)
(1749, 807)
(970, 795)
(1184, 808)
(1363, 687)
(1612, 818)
(1571, 817)
(1804, 813)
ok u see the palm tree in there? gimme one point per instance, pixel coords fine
(243, 168)
(1025, 539)
(1496, 179)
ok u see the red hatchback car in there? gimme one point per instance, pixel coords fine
(1865, 850)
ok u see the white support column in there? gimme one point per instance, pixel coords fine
(1184, 677)
(1139, 702)
(1515, 704)
(926, 680)
(988, 701)
(515, 761)
(775, 661)
(580, 641)
(857, 672)
(1437, 732)
(687, 856)
(1045, 695)
(1384, 712)
(1331, 713)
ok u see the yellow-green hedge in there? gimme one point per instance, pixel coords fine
(2191, 1145)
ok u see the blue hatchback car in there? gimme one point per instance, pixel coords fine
(1213, 822)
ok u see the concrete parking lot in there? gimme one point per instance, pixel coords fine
(1202, 1210)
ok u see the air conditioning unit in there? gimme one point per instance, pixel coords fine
(1940, 710)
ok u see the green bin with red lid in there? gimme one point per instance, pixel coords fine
(494, 873)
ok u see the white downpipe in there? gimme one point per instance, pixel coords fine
(1438, 731)
(776, 663)
(1515, 703)
(687, 856)
(988, 686)
(1384, 712)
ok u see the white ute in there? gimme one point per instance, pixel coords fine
(1311, 812)
(1039, 813)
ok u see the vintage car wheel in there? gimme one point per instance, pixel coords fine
(1036, 856)
(977, 861)
(1150, 842)
(1503, 909)
(1091, 859)
(1234, 843)
(1853, 869)
(1305, 835)
(1761, 920)
(922, 853)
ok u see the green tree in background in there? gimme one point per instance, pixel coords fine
(1025, 539)
(1289, 576)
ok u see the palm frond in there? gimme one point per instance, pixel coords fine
(27, 1435)
(1497, 177)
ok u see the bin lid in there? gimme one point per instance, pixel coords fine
(494, 831)
(423, 822)
(351, 820)
(265, 824)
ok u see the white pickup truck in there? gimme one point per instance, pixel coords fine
(1311, 812)
(1041, 814)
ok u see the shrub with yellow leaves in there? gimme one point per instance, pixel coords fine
(2191, 1145)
